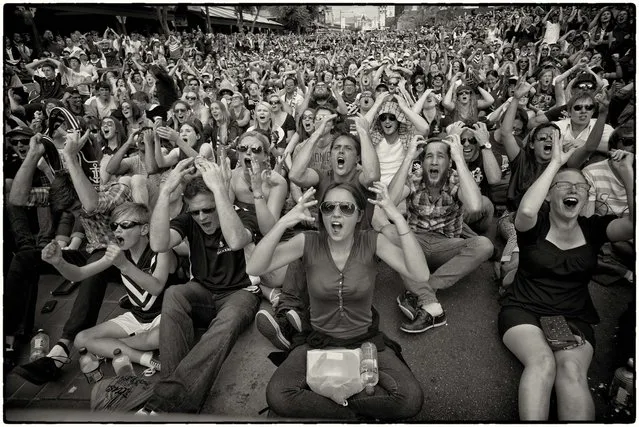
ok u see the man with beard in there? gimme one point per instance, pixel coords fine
(436, 207)
(350, 94)
(74, 102)
(292, 96)
(320, 95)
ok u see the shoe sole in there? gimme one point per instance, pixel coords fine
(294, 319)
(268, 327)
(27, 375)
(419, 331)
(406, 311)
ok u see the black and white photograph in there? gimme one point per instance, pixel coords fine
(319, 213)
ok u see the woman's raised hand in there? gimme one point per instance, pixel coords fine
(300, 213)
(560, 156)
(383, 200)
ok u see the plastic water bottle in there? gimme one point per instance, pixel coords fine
(368, 372)
(621, 391)
(122, 364)
(90, 366)
(39, 345)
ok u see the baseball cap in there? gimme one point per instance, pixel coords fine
(20, 131)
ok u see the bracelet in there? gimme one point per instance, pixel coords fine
(258, 197)
(403, 234)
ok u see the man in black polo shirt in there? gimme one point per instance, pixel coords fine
(51, 84)
(219, 296)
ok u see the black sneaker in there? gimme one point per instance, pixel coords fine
(276, 329)
(39, 371)
(423, 322)
(408, 304)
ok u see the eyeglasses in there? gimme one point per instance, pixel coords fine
(206, 211)
(124, 225)
(471, 141)
(586, 86)
(346, 208)
(191, 98)
(245, 148)
(95, 130)
(543, 138)
(23, 141)
(463, 92)
(393, 83)
(419, 83)
(387, 116)
(581, 187)
(580, 107)
(179, 110)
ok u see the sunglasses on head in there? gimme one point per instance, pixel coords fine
(245, 148)
(206, 211)
(346, 208)
(588, 107)
(387, 116)
(124, 225)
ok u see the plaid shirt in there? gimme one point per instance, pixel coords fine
(444, 215)
(96, 224)
(38, 196)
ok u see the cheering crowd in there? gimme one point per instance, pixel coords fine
(207, 172)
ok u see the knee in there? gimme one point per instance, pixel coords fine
(411, 403)
(276, 399)
(544, 366)
(483, 246)
(81, 339)
(570, 373)
(172, 298)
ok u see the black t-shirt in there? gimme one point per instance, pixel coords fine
(289, 124)
(213, 263)
(50, 88)
(524, 171)
(476, 168)
(551, 281)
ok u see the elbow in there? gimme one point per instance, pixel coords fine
(238, 244)
(16, 200)
(158, 245)
(251, 270)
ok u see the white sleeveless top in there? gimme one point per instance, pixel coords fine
(390, 159)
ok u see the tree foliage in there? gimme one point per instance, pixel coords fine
(296, 18)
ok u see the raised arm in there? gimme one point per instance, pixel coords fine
(507, 137)
(468, 193)
(421, 126)
(486, 98)
(21, 186)
(86, 192)
(370, 162)
(583, 153)
(534, 197)
(397, 188)
(623, 228)
(491, 166)
(300, 174)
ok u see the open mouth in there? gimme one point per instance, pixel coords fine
(340, 162)
(119, 241)
(336, 227)
(570, 202)
(468, 150)
(433, 173)
(547, 148)
(247, 163)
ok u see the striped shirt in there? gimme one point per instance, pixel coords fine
(444, 215)
(607, 192)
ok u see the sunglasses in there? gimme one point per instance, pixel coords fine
(125, 225)
(581, 187)
(393, 83)
(587, 86)
(419, 83)
(471, 141)
(625, 141)
(274, 102)
(191, 98)
(179, 110)
(23, 141)
(245, 148)
(588, 107)
(387, 116)
(346, 208)
(206, 211)
(463, 92)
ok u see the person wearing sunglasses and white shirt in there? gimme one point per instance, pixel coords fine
(580, 123)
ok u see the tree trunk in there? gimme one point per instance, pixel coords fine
(240, 18)
(208, 20)
(257, 13)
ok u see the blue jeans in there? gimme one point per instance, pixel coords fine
(189, 368)
(451, 259)
(398, 395)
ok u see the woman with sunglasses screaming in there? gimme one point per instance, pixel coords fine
(559, 247)
(341, 272)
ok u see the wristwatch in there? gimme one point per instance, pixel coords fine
(488, 146)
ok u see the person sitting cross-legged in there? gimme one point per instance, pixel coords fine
(144, 273)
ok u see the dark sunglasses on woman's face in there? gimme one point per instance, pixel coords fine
(23, 141)
(274, 102)
(419, 82)
(245, 148)
(346, 208)
(191, 98)
(463, 92)
(581, 107)
(387, 116)
(124, 225)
